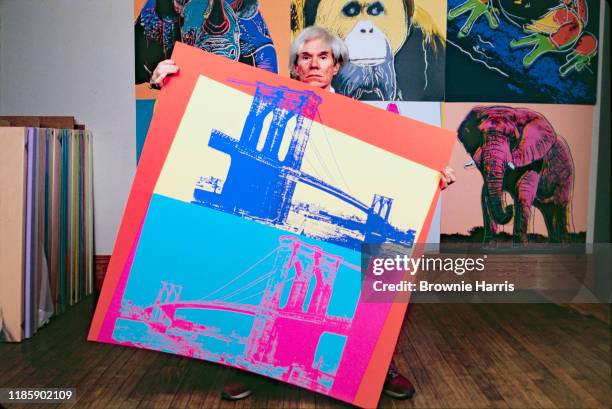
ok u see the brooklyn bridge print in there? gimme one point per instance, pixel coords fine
(248, 253)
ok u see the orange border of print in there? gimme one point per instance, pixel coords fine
(425, 144)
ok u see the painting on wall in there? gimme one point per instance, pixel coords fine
(396, 47)
(522, 173)
(522, 51)
(241, 239)
(232, 29)
(235, 29)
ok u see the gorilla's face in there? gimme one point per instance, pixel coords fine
(374, 30)
(365, 43)
(367, 81)
(369, 27)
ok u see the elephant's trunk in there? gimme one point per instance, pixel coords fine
(495, 158)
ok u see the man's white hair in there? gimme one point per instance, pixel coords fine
(339, 50)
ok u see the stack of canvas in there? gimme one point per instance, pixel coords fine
(46, 225)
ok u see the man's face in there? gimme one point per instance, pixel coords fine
(315, 64)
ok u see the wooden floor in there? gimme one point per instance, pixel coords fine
(458, 355)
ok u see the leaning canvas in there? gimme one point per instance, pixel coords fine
(13, 176)
(240, 243)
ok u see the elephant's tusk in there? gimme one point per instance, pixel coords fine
(511, 165)
(469, 165)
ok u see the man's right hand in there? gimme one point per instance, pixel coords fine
(163, 69)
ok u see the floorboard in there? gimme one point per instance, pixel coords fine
(457, 355)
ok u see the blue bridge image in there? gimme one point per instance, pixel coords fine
(261, 181)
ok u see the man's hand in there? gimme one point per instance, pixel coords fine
(448, 177)
(163, 69)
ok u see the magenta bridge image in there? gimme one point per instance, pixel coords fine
(292, 336)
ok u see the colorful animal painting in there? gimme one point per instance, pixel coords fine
(518, 151)
(522, 173)
(522, 51)
(396, 48)
(234, 29)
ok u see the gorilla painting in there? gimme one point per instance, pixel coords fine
(396, 51)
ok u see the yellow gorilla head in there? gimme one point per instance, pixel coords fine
(345, 18)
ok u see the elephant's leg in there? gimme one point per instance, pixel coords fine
(556, 187)
(521, 220)
(526, 189)
(548, 213)
(490, 227)
(561, 224)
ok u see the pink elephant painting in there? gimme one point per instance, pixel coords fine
(518, 151)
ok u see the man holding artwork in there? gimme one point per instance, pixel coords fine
(316, 56)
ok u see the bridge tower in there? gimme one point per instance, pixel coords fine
(283, 103)
(169, 293)
(377, 224)
(381, 206)
(307, 263)
(270, 196)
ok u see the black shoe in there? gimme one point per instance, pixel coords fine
(398, 386)
(235, 389)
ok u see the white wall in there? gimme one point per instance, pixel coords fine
(75, 57)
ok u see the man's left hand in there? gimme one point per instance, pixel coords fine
(448, 177)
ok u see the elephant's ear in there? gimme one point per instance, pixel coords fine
(469, 133)
(535, 141)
